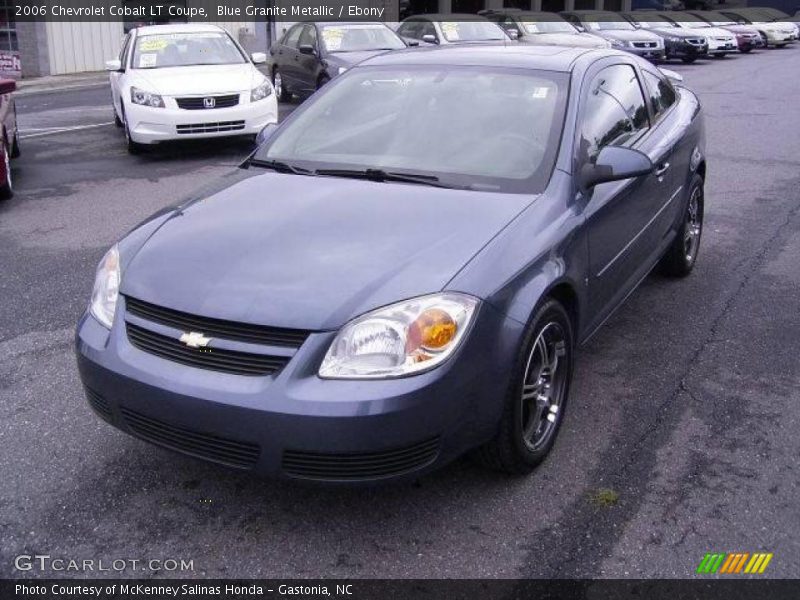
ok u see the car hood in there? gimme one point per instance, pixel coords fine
(576, 40)
(639, 35)
(198, 80)
(348, 59)
(740, 28)
(312, 252)
(675, 32)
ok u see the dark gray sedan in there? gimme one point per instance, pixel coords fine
(403, 270)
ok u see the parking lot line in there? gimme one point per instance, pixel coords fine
(55, 130)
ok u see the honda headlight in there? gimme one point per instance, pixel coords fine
(146, 98)
(106, 288)
(400, 339)
(261, 91)
(617, 43)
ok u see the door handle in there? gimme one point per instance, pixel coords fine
(661, 169)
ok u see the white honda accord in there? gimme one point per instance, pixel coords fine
(187, 81)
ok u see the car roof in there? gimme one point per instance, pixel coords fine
(178, 28)
(447, 17)
(545, 58)
(346, 23)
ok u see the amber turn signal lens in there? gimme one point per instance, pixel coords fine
(432, 330)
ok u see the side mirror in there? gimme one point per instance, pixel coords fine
(614, 164)
(266, 133)
(306, 49)
(513, 34)
(113, 65)
(7, 86)
(429, 38)
(258, 58)
(672, 75)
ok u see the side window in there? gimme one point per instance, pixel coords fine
(410, 29)
(308, 37)
(123, 53)
(662, 94)
(293, 36)
(614, 112)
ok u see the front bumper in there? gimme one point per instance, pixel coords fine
(153, 125)
(685, 49)
(648, 53)
(295, 425)
(722, 47)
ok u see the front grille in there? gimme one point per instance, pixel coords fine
(349, 467)
(218, 127)
(230, 330)
(98, 403)
(645, 44)
(199, 103)
(214, 359)
(218, 449)
(696, 41)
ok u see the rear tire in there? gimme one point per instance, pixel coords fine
(681, 256)
(537, 396)
(15, 150)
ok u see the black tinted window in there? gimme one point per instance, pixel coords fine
(662, 94)
(293, 36)
(308, 37)
(614, 112)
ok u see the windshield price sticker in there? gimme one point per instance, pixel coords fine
(332, 36)
(450, 31)
(154, 45)
(147, 60)
(540, 93)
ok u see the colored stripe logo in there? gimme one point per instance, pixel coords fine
(734, 563)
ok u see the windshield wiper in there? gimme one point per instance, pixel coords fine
(280, 166)
(380, 175)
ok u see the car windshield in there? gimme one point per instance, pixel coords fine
(485, 129)
(471, 31)
(153, 51)
(355, 38)
(609, 23)
(692, 22)
(718, 19)
(549, 27)
(655, 23)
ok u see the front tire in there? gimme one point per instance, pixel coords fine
(281, 92)
(681, 256)
(7, 186)
(133, 147)
(537, 396)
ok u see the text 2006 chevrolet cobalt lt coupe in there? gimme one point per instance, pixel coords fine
(404, 268)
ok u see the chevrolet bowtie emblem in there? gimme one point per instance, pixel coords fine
(193, 339)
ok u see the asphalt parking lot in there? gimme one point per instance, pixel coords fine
(681, 437)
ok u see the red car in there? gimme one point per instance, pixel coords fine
(10, 146)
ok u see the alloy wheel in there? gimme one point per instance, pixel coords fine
(694, 225)
(544, 385)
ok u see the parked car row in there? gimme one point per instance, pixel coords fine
(184, 81)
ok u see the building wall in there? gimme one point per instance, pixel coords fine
(84, 46)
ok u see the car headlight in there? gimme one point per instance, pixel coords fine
(106, 288)
(146, 98)
(673, 39)
(400, 339)
(617, 44)
(261, 91)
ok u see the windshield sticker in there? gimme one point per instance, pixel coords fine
(531, 27)
(147, 60)
(153, 45)
(540, 93)
(450, 31)
(332, 36)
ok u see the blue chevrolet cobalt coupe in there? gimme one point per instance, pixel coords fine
(404, 268)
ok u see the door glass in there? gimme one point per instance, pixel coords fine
(662, 94)
(308, 37)
(293, 36)
(614, 113)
